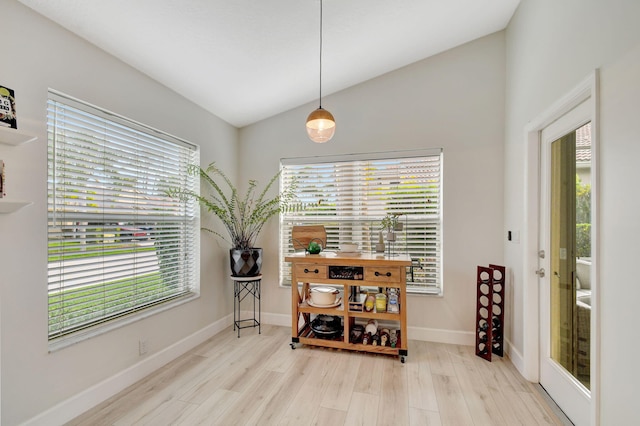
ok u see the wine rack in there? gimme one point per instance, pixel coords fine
(497, 310)
(490, 311)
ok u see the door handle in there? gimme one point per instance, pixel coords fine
(540, 272)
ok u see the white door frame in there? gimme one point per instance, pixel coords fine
(586, 90)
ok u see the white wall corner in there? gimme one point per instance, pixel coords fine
(89, 398)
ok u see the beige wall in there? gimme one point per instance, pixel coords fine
(619, 236)
(453, 101)
(37, 55)
(551, 47)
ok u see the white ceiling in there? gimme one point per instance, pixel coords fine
(246, 60)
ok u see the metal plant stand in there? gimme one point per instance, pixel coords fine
(243, 287)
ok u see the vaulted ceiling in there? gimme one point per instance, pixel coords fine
(246, 60)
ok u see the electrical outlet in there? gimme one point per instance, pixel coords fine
(142, 346)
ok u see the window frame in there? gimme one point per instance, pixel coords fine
(173, 219)
(366, 228)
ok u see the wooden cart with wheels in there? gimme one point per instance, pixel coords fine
(352, 274)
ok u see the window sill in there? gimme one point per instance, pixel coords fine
(80, 336)
(424, 292)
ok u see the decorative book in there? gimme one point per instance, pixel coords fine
(7, 108)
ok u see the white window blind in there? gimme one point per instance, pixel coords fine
(116, 244)
(353, 194)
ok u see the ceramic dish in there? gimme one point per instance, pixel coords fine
(332, 305)
(323, 295)
(348, 247)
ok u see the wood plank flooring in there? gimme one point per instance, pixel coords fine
(259, 380)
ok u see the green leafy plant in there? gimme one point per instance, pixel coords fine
(390, 222)
(583, 218)
(242, 216)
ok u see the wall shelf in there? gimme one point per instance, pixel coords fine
(10, 206)
(15, 137)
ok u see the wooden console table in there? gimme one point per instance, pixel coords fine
(367, 271)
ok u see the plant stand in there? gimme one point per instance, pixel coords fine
(243, 287)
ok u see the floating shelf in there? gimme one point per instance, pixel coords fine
(15, 137)
(10, 206)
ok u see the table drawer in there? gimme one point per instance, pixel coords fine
(382, 274)
(310, 271)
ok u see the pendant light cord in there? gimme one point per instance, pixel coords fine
(320, 95)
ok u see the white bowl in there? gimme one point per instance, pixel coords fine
(324, 295)
(348, 248)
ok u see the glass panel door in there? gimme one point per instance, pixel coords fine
(565, 239)
(562, 286)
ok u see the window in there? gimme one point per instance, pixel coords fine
(116, 244)
(350, 195)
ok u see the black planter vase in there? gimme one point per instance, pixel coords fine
(245, 262)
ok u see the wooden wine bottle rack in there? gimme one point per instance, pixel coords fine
(490, 311)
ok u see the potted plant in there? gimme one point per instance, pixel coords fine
(242, 216)
(390, 223)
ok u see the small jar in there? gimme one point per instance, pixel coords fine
(393, 301)
(381, 302)
(369, 303)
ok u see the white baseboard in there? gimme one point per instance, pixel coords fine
(417, 333)
(89, 398)
(283, 320)
(515, 356)
(466, 338)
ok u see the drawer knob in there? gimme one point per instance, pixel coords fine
(306, 271)
(388, 274)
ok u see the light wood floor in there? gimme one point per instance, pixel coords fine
(260, 380)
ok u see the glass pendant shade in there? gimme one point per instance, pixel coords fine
(321, 125)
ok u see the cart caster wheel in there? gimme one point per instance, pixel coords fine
(402, 359)
(293, 346)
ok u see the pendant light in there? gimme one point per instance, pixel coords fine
(320, 124)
